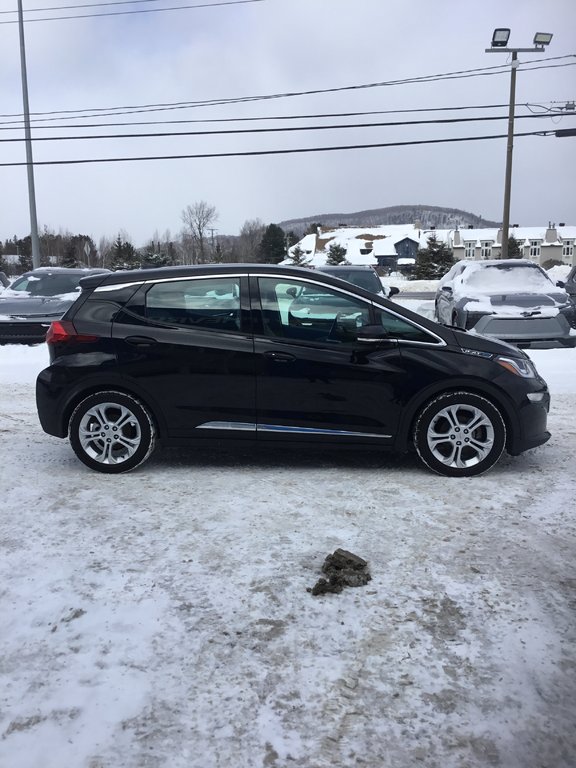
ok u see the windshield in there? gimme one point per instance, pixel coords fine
(49, 284)
(506, 278)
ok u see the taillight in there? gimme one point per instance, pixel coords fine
(63, 330)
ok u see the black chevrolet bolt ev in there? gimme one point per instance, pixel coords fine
(273, 354)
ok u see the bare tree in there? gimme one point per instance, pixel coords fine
(249, 239)
(198, 220)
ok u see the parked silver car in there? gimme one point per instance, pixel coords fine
(513, 300)
(35, 299)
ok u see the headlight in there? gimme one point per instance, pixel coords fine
(519, 366)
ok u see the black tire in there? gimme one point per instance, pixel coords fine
(460, 434)
(111, 432)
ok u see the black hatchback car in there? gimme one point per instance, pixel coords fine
(278, 354)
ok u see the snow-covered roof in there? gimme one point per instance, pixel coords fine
(384, 239)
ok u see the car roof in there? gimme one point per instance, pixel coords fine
(66, 271)
(198, 270)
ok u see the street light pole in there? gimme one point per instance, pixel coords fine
(499, 45)
(509, 151)
(28, 136)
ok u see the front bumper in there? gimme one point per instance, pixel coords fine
(528, 333)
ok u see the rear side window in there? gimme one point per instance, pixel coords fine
(212, 303)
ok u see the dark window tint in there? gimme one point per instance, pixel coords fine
(309, 312)
(398, 328)
(212, 303)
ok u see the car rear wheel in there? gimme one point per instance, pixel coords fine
(111, 432)
(460, 434)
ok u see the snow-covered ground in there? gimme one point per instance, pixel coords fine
(161, 620)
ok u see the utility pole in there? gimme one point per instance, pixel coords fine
(29, 160)
(500, 45)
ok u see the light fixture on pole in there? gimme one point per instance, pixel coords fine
(500, 45)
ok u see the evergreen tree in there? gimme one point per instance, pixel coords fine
(336, 255)
(4, 267)
(272, 248)
(69, 259)
(433, 261)
(298, 258)
(124, 255)
(514, 248)
(291, 239)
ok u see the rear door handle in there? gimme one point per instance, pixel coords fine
(280, 357)
(141, 341)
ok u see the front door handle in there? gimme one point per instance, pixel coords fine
(141, 341)
(280, 357)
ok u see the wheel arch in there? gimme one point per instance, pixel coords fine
(496, 396)
(93, 387)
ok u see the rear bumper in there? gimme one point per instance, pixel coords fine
(13, 332)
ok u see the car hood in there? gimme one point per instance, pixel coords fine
(34, 306)
(486, 344)
(523, 300)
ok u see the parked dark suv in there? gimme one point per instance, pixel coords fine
(277, 354)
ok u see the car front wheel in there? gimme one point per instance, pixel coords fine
(460, 434)
(111, 432)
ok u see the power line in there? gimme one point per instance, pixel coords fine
(170, 106)
(285, 129)
(255, 153)
(142, 10)
(14, 125)
(84, 5)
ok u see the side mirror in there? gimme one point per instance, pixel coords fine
(292, 291)
(392, 291)
(561, 284)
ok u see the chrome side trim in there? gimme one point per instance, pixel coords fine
(237, 426)
(247, 427)
(117, 286)
(182, 278)
(315, 431)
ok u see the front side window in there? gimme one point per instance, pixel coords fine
(309, 312)
(398, 328)
(212, 303)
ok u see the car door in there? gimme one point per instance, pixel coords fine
(314, 379)
(186, 345)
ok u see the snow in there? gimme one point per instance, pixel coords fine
(160, 619)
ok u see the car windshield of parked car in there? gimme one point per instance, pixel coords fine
(517, 278)
(46, 285)
(366, 279)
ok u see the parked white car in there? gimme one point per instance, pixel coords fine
(513, 300)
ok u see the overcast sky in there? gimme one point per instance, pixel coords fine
(273, 47)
